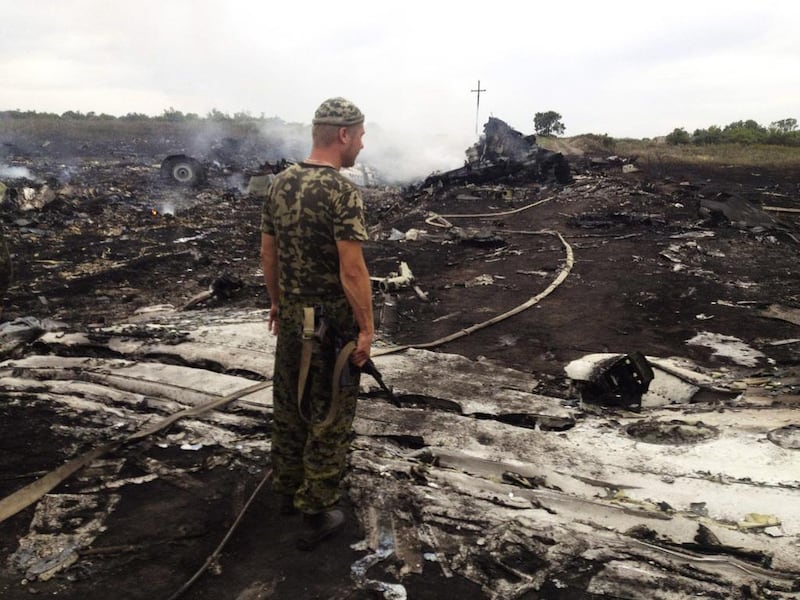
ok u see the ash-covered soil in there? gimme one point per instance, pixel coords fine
(656, 263)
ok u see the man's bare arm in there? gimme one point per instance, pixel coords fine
(269, 263)
(358, 289)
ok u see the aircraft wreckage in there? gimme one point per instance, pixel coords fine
(474, 470)
(653, 476)
(504, 155)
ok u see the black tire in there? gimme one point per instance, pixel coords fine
(179, 169)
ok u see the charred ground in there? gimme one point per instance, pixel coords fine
(653, 267)
(115, 239)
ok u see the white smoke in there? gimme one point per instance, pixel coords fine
(397, 157)
(9, 172)
(291, 141)
(406, 156)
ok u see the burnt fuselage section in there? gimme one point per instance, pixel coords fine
(504, 155)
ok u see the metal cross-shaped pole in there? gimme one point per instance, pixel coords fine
(478, 107)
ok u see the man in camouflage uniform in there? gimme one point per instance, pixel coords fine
(312, 231)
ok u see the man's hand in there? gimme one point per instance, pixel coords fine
(269, 262)
(272, 321)
(363, 348)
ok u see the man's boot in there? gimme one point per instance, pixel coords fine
(318, 527)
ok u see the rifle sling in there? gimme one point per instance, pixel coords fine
(305, 356)
(342, 360)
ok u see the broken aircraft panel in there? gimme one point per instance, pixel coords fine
(499, 485)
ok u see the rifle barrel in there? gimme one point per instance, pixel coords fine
(370, 368)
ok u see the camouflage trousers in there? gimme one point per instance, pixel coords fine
(309, 460)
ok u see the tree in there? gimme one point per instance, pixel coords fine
(679, 136)
(744, 132)
(73, 114)
(134, 116)
(217, 115)
(712, 135)
(548, 123)
(749, 125)
(784, 125)
(172, 115)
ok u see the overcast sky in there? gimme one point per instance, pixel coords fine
(628, 69)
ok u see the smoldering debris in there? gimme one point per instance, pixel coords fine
(13, 172)
(504, 155)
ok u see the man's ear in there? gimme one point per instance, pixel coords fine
(343, 135)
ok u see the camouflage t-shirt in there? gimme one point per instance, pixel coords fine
(308, 209)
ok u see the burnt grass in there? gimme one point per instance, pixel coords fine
(117, 238)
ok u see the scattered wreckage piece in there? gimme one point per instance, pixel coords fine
(396, 281)
(223, 287)
(743, 214)
(782, 313)
(390, 287)
(180, 169)
(627, 164)
(614, 380)
(225, 157)
(187, 171)
(635, 381)
(729, 347)
(17, 334)
(216, 341)
(62, 525)
(784, 209)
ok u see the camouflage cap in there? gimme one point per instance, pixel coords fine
(338, 111)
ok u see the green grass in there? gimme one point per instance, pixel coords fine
(750, 155)
(101, 129)
(657, 151)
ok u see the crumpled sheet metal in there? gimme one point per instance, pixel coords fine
(512, 540)
(62, 525)
(464, 484)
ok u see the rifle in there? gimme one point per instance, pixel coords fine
(323, 329)
(370, 369)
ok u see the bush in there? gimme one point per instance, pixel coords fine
(605, 140)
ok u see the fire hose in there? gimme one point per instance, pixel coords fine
(24, 497)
